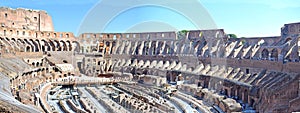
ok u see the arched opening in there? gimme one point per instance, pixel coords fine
(199, 84)
(65, 61)
(70, 45)
(265, 54)
(36, 46)
(28, 49)
(138, 47)
(226, 92)
(252, 102)
(45, 46)
(76, 46)
(37, 64)
(274, 55)
(94, 49)
(113, 47)
(245, 96)
(239, 93)
(287, 40)
(57, 45)
(52, 45)
(64, 46)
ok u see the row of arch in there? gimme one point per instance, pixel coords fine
(215, 48)
(37, 45)
(147, 47)
(272, 55)
(128, 35)
(160, 47)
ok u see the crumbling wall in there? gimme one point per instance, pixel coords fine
(26, 19)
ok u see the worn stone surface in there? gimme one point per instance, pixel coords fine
(234, 74)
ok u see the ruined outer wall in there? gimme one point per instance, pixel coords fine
(290, 67)
(135, 36)
(25, 19)
(15, 33)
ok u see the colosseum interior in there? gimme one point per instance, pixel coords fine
(204, 71)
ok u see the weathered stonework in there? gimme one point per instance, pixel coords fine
(231, 74)
(26, 19)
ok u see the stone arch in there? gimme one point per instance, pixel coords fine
(14, 44)
(226, 92)
(113, 47)
(28, 49)
(245, 99)
(287, 40)
(45, 46)
(153, 48)
(239, 93)
(138, 47)
(20, 41)
(108, 46)
(94, 49)
(52, 45)
(69, 45)
(264, 54)
(37, 64)
(57, 45)
(21, 44)
(76, 46)
(29, 46)
(64, 45)
(274, 54)
(13, 39)
(36, 46)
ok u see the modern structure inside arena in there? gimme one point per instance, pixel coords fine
(187, 71)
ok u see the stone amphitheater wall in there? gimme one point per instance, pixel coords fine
(14, 32)
(26, 19)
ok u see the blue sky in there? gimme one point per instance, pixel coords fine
(246, 18)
